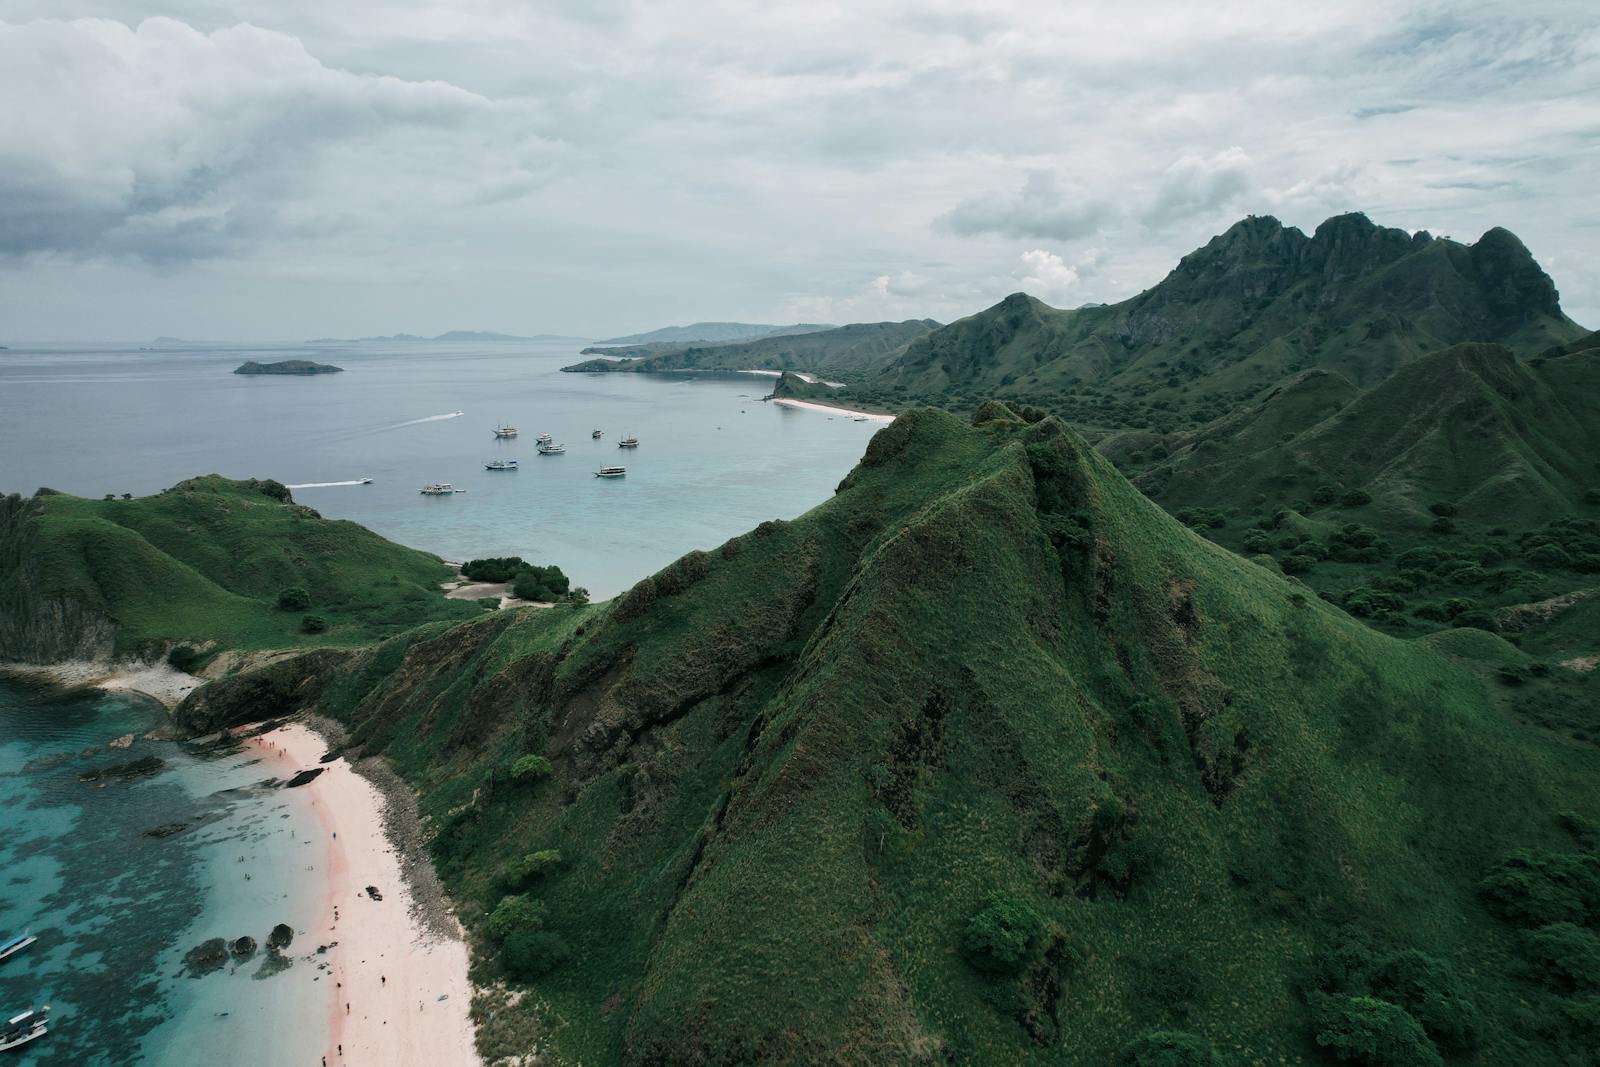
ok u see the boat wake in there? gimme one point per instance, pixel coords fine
(327, 485)
(352, 434)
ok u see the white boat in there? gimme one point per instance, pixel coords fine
(544, 439)
(439, 489)
(628, 442)
(23, 1028)
(500, 465)
(611, 472)
(366, 481)
(505, 431)
(549, 449)
(16, 944)
(597, 435)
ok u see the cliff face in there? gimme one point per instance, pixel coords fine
(36, 627)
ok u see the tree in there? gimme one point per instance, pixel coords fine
(313, 624)
(531, 768)
(1371, 1032)
(1169, 1048)
(1003, 936)
(294, 598)
(534, 953)
(1355, 498)
(513, 913)
(1432, 992)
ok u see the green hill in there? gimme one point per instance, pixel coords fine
(1253, 307)
(700, 332)
(204, 561)
(989, 760)
(845, 351)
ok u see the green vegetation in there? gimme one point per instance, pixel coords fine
(847, 352)
(209, 562)
(988, 759)
(529, 581)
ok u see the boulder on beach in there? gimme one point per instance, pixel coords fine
(280, 936)
(244, 947)
(205, 957)
(303, 777)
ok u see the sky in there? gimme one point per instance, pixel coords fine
(222, 170)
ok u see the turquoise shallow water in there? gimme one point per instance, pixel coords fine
(714, 461)
(115, 910)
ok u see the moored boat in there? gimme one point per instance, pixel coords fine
(597, 435)
(16, 944)
(439, 489)
(549, 449)
(505, 431)
(500, 465)
(23, 1028)
(544, 439)
(628, 442)
(611, 472)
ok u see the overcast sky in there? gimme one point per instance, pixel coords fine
(216, 169)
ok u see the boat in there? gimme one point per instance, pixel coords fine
(16, 944)
(505, 431)
(611, 472)
(548, 449)
(500, 465)
(597, 435)
(366, 481)
(23, 1028)
(439, 489)
(544, 439)
(628, 442)
(860, 418)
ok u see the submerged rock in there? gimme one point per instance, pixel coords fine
(124, 741)
(124, 772)
(303, 777)
(205, 957)
(167, 829)
(281, 935)
(244, 947)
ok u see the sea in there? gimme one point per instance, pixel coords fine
(116, 909)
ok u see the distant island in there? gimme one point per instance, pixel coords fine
(448, 336)
(287, 366)
(716, 331)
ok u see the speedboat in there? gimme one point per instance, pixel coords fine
(611, 472)
(439, 489)
(628, 442)
(366, 481)
(548, 449)
(16, 944)
(23, 1028)
(505, 431)
(500, 465)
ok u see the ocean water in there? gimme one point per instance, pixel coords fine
(714, 461)
(115, 909)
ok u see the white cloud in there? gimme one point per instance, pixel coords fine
(1041, 208)
(1196, 185)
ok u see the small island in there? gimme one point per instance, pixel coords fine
(287, 366)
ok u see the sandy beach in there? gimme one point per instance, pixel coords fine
(831, 410)
(398, 992)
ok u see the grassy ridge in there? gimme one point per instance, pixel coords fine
(207, 560)
(787, 778)
(848, 351)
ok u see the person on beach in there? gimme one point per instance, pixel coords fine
(382, 980)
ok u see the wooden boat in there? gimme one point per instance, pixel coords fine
(505, 431)
(23, 1028)
(439, 489)
(628, 442)
(551, 449)
(611, 472)
(500, 465)
(16, 944)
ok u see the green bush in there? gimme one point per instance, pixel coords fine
(1570, 955)
(1433, 993)
(1004, 936)
(313, 624)
(494, 568)
(294, 598)
(1371, 1032)
(1355, 498)
(184, 658)
(543, 584)
(1442, 508)
(1169, 1048)
(515, 913)
(534, 953)
(523, 869)
(1535, 887)
(1325, 494)
(531, 768)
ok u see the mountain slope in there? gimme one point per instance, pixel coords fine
(714, 331)
(852, 350)
(1253, 307)
(202, 561)
(986, 759)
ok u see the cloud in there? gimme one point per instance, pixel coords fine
(162, 142)
(1052, 279)
(1040, 209)
(1199, 185)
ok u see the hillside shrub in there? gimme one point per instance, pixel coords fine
(531, 768)
(1442, 508)
(1004, 936)
(1569, 955)
(523, 869)
(1169, 1048)
(313, 624)
(534, 953)
(1355, 498)
(515, 913)
(494, 568)
(1535, 887)
(184, 658)
(1371, 1032)
(294, 598)
(1442, 525)
(1325, 494)
(544, 584)
(1433, 993)
(1477, 619)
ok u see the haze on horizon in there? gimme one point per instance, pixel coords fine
(215, 169)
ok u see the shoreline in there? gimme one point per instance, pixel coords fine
(831, 409)
(398, 964)
(164, 684)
